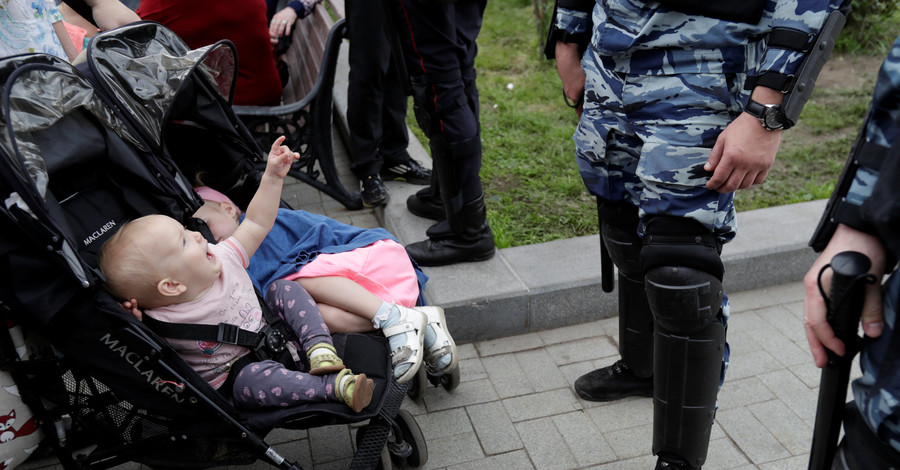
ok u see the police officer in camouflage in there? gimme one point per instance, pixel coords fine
(864, 216)
(680, 104)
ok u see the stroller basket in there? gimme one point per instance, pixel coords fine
(83, 154)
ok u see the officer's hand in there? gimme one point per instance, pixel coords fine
(818, 332)
(568, 65)
(742, 155)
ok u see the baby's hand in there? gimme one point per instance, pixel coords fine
(280, 158)
(132, 306)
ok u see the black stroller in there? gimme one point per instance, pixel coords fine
(80, 158)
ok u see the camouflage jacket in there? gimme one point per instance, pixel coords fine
(648, 38)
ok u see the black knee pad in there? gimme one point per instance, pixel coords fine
(679, 241)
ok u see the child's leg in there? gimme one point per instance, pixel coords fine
(268, 384)
(404, 327)
(342, 321)
(301, 313)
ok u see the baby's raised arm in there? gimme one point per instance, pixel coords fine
(263, 208)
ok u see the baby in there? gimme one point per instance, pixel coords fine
(176, 276)
(362, 279)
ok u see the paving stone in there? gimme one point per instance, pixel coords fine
(723, 453)
(494, 428)
(793, 392)
(583, 439)
(791, 431)
(453, 450)
(541, 370)
(545, 445)
(438, 424)
(583, 349)
(569, 334)
(509, 345)
(751, 436)
(507, 376)
(631, 442)
(742, 392)
(468, 393)
(621, 414)
(471, 370)
(541, 404)
(511, 460)
(800, 462)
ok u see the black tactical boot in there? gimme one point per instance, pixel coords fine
(473, 241)
(612, 383)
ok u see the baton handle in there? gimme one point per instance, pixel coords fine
(847, 295)
(844, 309)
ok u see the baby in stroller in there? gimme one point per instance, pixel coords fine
(362, 279)
(176, 276)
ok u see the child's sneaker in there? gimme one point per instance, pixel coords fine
(323, 359)
(406, 350)
(439, 345)
(354, 390)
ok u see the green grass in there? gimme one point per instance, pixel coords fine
(532, 187)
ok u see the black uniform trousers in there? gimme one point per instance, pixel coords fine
(438, 42)
(376, 96)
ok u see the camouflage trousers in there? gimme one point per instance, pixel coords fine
(644, 138)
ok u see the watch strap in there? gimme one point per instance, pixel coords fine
(755, 109)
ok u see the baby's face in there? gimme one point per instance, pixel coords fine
(220, 217)
(181, 254)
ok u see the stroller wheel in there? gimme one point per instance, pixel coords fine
(417, 385)
(412, 435)
(450, 380)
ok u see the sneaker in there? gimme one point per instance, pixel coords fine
(410, 171)
(323, 359)
(612, 383)
(354, 390)
(373, 191)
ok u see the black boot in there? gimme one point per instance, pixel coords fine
(612, 383)
(672, 463)
(473, 241)
(426, 204)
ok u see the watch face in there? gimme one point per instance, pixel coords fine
(772, 118)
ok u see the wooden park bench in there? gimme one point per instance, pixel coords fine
(306, 113)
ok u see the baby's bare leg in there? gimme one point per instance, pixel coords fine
(342, 293)
(342, 321)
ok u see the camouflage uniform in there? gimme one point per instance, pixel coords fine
(660, 86)
(877, 392)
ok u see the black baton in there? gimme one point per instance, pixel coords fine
(844, 309)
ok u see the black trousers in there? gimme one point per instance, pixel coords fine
(376, 97)
(439, 49)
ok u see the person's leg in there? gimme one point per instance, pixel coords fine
(439, 45)
(268, 384)
(368, 58)
(300, 312)
(404, 327)
(607, 153)
(683, 227)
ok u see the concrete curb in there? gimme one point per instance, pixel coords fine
(548, 285)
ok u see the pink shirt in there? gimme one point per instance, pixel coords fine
(231, 299)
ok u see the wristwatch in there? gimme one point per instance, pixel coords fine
(769, 115)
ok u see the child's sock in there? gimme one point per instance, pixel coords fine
(430, 338)
(323, 359)
(387, 315)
